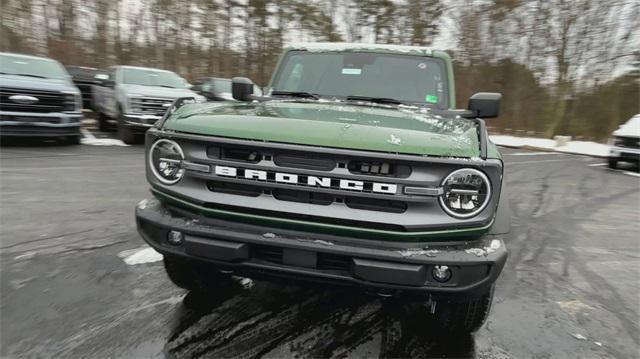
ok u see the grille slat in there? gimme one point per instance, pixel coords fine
(48, 101)
(152, 106)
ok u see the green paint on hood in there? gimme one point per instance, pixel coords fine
(331, 124)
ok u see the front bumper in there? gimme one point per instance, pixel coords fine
(625, 154)
(140, 123)
(385, 267)
(55, 124)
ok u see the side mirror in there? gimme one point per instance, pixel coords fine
(241, 88)
(103, 79)
(485, 104)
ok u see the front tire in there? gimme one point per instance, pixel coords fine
(125, 133)
(72, 140)
(193, 276)
(103, 122)
(613, 163)
(463, 316)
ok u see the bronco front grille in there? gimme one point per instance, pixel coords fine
(46, 101)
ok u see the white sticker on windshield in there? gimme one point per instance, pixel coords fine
(351, 71)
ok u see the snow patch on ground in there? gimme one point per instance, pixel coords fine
(574, 147)
(102, 142)
(140, 255)
(579, 336)
(245, 282)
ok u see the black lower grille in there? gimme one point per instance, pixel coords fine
(333, 262)
(629, 142)
(308, 218)
(267, 253)
(21, 100)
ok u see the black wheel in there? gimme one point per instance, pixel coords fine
(72, 140)
(613, 163)
(459, 316)
(194, 276)
(103, 122)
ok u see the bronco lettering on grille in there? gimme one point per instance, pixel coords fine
(304, 180)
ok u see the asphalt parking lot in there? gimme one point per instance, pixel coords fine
(77, 282)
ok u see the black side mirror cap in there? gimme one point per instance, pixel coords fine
(242, 88)
(485, 104)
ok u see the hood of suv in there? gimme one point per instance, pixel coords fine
(332, 124)
(157, 91)
(34, 83)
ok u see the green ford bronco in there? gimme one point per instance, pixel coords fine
(354, 168)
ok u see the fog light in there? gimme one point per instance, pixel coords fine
(175, 238)
(441, 273)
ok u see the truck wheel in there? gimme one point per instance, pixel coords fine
(125, 133)
(192, 276)
(103, 122)
(73, 140)
(613, 163)
(461, 317)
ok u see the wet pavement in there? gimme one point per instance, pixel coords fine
(570, 288)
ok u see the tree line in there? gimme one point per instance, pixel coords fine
(564, 66)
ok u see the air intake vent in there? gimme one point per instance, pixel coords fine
(379, 169)
(267, 253)
(333, 262)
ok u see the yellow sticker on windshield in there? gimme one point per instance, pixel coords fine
(351, 71)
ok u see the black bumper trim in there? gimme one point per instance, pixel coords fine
(344, 261)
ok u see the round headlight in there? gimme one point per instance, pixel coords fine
(165, 158)
(465, 193)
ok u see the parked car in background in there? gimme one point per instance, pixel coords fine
(625, 143)
(84, 78)
(38, 99)
(136, 97)
(217, 89)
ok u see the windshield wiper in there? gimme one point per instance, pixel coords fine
(375, 99)
(300, 94)
(28, 75)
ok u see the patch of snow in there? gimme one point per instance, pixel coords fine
(410, 252)
(102, 142)
(579, 336)
(320, 241)
(477, 251)
(140, 255)
(143, 204)
(245, 282)
(598, 344)
(394, 140)
(269, 235)
(191, 222)
(493, 246)
(629, 173)
(28, 255)
(573, 147)
(573, 307)
(346, 46)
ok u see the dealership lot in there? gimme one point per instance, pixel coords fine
(77, 281)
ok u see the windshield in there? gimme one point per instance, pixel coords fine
(407, 78)
(152, 78)
(221, 86)
(27, 66)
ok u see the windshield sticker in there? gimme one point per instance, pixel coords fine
(422, 65)
(431, 98)
(351, 71)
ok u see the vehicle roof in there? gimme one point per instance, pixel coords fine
(141, 68)
(351, 46)
(28, 56)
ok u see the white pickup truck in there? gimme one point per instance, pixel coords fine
(136, 97)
